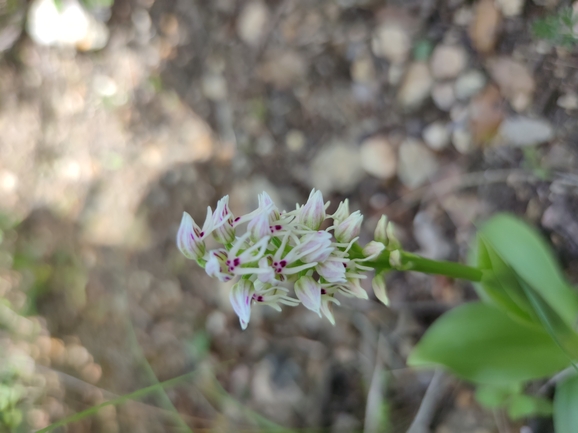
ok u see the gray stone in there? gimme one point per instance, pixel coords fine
(416, 163)
(437, 135)
(525, 131)
(378, 157)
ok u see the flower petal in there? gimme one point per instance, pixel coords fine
(309, 293)
(189, 238)
(240, 297)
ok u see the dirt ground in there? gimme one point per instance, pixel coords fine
(101, 152)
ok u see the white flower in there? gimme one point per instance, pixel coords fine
(380, 234)
(313, 213)
(272, 296)
(341, 213)
(190, 236)
(333, 269)
(372, 250)
(379, 289)
(279, 250)
(309, 293)
(349, 228)
(240, 297)
(259, 227)
(223, 230)
(326, 301)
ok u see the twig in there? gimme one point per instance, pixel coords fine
(423, 418)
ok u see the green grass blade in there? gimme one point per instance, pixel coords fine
(118, 401)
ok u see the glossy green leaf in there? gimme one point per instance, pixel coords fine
(481, 343)
(523, 249)
(500, 286)
(566, 406)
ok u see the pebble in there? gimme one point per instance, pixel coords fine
(362, 69)
(568, 101)
(378, 157)
(392, 42)
(447, 61)
(462, 140)
(443, 96)
(395, 74)
(514, 80)
(485, 26)
(337, 167)
(416, 86)
(510, 8)
(252, 21)
(214, 87)
(295, 140)
(283, 68)
(525, 131)
(437, 135)
(430, 238)
(469, 84)
(416, 163)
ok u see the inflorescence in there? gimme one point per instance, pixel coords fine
(282, 253)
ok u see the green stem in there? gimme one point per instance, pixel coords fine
(437, 267)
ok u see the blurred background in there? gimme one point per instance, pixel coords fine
(118, 115)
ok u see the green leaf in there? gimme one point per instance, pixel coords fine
(523, 406)
(500, 284)
(481, 343)
(493, 396)
(524, 250)
(565, 406)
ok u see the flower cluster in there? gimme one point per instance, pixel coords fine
(282, 253)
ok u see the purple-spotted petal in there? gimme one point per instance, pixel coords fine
(240, 297)
(189, 238)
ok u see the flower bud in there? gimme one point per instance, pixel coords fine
(333, 271)
(379, 289)
(240, 297)
(268, 206)
(309, 293)
(217, 267)
(349, 228)
(223, 231)
(354, 288)
(380, 234)
(190, 238)
(395, 259)
(326, 301)
(393, 242)
(341, 213)
(313, 212)
(259, 227)
(373, 249)
(316, 247)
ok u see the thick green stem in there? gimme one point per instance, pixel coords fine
(449, 269)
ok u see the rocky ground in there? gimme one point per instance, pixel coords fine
(436, 113)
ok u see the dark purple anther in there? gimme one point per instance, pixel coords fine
(237, 262)
(278, 227)
(259, 298)
(323, 291)
(237, 219)
(283, 263)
